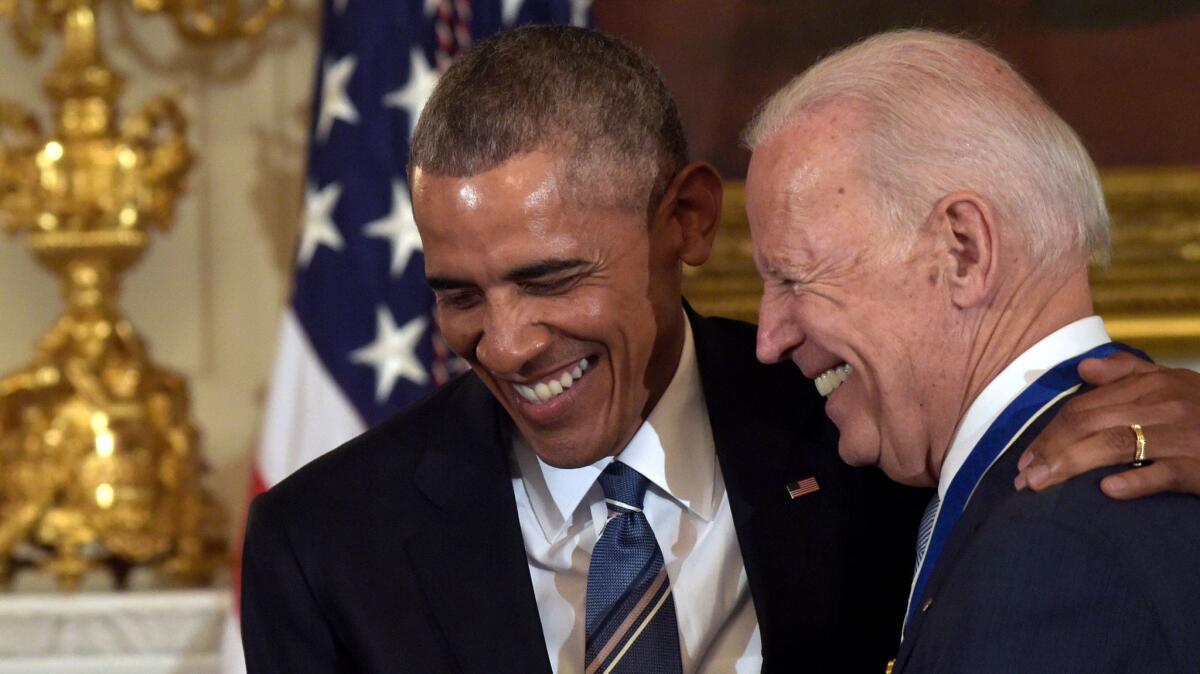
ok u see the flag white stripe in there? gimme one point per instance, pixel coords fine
(232, 660)
(307, 414)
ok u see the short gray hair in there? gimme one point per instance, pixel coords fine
(946, 114)
(561, 89)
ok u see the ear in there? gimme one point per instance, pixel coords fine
(968, 225)
(691, 206)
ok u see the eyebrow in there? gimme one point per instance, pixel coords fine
(542, 268)
(524, 273)
(446, 283)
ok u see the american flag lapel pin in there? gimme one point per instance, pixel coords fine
(803, 488)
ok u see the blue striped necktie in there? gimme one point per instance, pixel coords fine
(631, 625)
(925, 532)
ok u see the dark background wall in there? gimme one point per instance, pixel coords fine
(1124, 73)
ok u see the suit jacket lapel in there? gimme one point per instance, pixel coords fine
(471, 557)
(995, 485)
(758, 457)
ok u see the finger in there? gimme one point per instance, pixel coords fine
(1067, 432)
(1101, 371)
(1111, 446)
(1177, 474)
(1107, 447)
(1130, 390)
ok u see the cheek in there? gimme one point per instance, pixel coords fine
(626, 328)
(592, 309)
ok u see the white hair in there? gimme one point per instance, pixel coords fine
(946, 114)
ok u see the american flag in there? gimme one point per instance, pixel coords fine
(803, 488)
(357, 341)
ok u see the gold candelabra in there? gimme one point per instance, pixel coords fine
(99, 458)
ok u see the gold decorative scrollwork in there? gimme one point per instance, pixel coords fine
(99, 458)
(213, 20)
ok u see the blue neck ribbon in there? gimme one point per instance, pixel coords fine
(1054, 383)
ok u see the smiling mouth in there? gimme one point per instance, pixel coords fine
(828, 381)
(553, 386)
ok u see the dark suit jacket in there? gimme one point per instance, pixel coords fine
(401, 551)
(1067, 580)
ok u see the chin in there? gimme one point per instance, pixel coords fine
(566, 462)
(857, 453)
(563, 456)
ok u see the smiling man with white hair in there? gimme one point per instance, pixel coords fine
(923, 223)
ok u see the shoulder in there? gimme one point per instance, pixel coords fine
(725, 351)
(1073, 546)
(1078, 505)
(1046, 581)
(381, 462)
(1165, 524)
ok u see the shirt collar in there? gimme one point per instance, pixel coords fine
(673, 449)
(1062, 344)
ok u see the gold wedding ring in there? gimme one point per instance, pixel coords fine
(1139, 454)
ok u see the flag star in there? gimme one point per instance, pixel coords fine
(335, 104)
(412, 96)
(399, 228)
(509, 9)
(339, 6)
(579, 12)
(431, 6)
(319, 228)
(393, 354)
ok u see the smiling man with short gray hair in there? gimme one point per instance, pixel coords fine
(923, 224)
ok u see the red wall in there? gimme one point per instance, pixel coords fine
(1126, 77)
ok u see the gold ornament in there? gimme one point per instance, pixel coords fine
(99, 459)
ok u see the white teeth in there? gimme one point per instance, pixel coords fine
(828, 381)
(551, 387)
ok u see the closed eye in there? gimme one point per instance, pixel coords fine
(457, 299)
(790, 284)
(552, 286)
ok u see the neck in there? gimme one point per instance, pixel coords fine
(1018, 317)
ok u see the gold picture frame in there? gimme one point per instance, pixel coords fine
(1149, 295)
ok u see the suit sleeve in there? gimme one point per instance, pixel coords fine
(283, 629)
(1041, 596)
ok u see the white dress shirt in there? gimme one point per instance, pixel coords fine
(562, 513)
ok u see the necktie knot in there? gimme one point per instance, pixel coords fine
(624, 485)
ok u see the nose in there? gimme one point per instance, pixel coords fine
(779, 333)
(512, 337)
